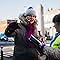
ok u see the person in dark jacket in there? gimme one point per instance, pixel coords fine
(23, 49)
(52, 52)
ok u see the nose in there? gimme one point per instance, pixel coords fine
(31, 17)
(54, 26)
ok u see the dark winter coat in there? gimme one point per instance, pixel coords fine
(22, 51)
(51, 53)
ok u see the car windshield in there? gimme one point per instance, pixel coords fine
(3, 37)
(1, 34)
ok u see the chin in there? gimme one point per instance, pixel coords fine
(32, 22)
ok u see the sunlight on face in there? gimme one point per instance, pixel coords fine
(31, 19)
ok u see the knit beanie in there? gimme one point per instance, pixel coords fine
(30, 11)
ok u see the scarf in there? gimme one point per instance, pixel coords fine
(30, 30)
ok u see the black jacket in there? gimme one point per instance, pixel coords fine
(21, 49)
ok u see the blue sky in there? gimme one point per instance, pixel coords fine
(12, 8)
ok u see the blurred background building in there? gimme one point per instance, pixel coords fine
(45, 17)
(4, 23)
(48, 16)
(44, 20)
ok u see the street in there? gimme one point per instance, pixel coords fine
(8, 48)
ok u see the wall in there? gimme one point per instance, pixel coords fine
(3, 25)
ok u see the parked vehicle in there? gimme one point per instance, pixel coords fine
(3, 37)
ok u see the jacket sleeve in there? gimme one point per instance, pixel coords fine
(11, 28)
(52, 53)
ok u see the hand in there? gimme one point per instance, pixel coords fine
(39, 46)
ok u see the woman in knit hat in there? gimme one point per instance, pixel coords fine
(23, 49)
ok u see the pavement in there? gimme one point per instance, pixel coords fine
(7, 58)
(7, 43)
(8, 48)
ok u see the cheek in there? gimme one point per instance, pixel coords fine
(34, 18)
